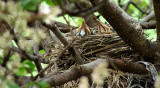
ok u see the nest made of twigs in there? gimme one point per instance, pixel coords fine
(94, 46)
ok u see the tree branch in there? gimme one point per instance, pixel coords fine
(133, 3)
(64, 27)
(50, 64)
(86, 69)
(148, 17)
(148, 25)
(119, 20)
(77, 57)
(156, 4)
(149, 9)
(82, 12)
(127, 5)
(30, 56)
(36, 49)
(86, 11)
(6, 58)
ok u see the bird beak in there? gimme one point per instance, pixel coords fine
(102, 28)
(83, 29)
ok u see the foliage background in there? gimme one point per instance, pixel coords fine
(74, 21)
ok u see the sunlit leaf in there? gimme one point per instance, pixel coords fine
(14, 44)
(29, 4)
(79, 22)
(41, 52)
(0, 60)
(151, 34)
(43, 84)
(29, 65)
(51, 2)
(21, 71)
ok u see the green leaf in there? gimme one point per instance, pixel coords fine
(12, 84)
(29, 65)
(1, 55)
(51, 2)
(43, 84)
(31, 51)
(29, 4)
(41, 52)
(44, 65)
(79, 22)
(72, 0)
(14, 43)
(151, 34)
(0, 60)
(29, 84)
(21, 71)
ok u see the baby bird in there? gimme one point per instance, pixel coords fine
(91, 25)
(102, 28)
(83, 29)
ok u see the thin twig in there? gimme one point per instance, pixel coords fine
(127, 5)
(69, 26)
(31, 57)
(36, 49)
(49, 65)
(84, 12)
(6, 58)
(133, 3)
(149, 7)
(77, 57)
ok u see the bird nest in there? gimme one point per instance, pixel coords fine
(101, 45)
(93, 47)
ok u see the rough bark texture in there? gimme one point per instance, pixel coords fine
(86, 69)
(148, 17)
(156, 4)
(119, 20)
(59, 35)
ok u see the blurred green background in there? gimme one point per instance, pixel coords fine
(28, 67)
(132, 11)
(76, 21)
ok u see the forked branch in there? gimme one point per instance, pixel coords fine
(119, 20)
(86, 69)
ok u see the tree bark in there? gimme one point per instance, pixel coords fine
(156, 4)
(120, 21)
(78, 59)
(84, 70)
